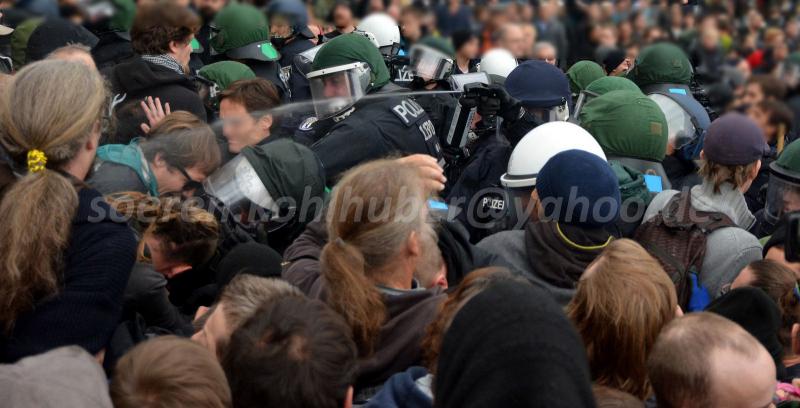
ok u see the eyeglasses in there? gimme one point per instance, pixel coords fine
(191, 184)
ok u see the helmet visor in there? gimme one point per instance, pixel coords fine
(583, 98)
(337, 89)
(680, 129)
(783, 195)
(237, 185)
(304, 60)
(430, 64)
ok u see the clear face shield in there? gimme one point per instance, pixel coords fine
(238, 186)
(336, 89)
(430, 64)
(783, 194)
(680, 128)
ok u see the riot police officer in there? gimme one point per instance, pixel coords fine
(288, 22)
(665, 75)
(354, 127)
(240, 32)
(432, 61)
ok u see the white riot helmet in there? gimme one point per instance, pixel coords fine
(498, 63)
(384, 30)
(539, 145)
(531, 154)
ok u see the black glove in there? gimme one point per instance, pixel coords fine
(509, 107)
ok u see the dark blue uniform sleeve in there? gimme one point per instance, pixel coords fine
(348, 145)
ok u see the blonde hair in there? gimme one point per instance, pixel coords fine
(53, 107)
(366, 231)
(719, 174)
(169, 372)
(622, 305)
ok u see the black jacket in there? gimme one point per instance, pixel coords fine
(376, 129)
(136, 79)
(113, 48)
(87, 307)
(147, 296)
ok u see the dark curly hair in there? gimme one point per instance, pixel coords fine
(157, 24)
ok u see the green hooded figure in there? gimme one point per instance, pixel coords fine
(627, 124)
(661, 63)
(241, 32)
(19, 40)
(350, 48)
(583, 73)
(607, 84)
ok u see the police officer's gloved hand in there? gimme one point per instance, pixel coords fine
(509, 107)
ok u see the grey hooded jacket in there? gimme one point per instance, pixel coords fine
(728, 250)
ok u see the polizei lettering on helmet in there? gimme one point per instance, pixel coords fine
(408, 111)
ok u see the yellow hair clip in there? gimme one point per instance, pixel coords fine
(36, 160)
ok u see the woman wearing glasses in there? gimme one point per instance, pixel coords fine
(178, 154)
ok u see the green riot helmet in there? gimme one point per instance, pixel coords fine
(241, 32)
(783, 191)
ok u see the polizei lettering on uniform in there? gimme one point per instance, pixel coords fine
(408, 111)
(427, 129)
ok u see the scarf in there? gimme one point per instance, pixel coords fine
(166, 61)
(559, 253)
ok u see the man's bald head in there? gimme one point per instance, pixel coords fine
(703, 360)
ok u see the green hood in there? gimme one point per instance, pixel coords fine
(583, 73)
(790, 158)
(239, 25)
(349, 48)
(607, 84)
(628, 124)
(661, 63)
(124, 11)
(631, 183)
(287, 168)
(19, 40)
(440, 44)
(225, 73)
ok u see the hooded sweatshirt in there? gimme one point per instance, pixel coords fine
(136, 79)
(408, 313)
(728, 250)
(541, 253)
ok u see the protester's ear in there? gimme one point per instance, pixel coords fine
(348, 398)
(158, 161)
(756, 169)
(177, 270)
(795, 338)
(441, 281)
(265, 123)
(413, 245)
(175, 46)
(702, 154)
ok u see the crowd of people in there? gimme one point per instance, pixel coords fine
(386, 203)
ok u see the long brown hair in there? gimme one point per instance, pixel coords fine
(188, 233)
(782, 286)
(619, 309)
(54, 107)
(373, 210)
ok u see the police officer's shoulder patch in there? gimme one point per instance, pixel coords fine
(408, 111)
(308, 124)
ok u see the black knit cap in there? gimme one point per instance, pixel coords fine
(55, 33)
(249, 258)
(753, 309)
(512, 346)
